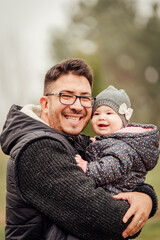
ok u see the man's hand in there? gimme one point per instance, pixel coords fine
(140, 209)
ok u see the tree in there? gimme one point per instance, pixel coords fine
(121, 49)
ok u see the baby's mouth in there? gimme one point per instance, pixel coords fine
(102, 125)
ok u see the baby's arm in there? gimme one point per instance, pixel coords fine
(81, 163)
(109, 161)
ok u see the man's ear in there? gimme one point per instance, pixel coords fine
(44, 104)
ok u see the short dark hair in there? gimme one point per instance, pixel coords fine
(75, 66)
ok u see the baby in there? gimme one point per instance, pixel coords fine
(118, 160)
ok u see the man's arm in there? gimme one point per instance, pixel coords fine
(149, 190)
(140, 208)
(51, 181)
(149, 204)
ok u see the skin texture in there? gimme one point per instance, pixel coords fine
(72, 119)
(105, 121)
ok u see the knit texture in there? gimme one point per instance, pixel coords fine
(63, 186)
(48, 179)
(113, 98)
(55, 179)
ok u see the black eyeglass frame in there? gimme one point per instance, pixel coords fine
(76, 96)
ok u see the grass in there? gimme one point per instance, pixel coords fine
(150, 231)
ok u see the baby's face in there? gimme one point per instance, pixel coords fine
(105, 121)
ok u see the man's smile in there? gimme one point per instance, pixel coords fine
(74, 118)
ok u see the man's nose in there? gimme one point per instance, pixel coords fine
(77, 105)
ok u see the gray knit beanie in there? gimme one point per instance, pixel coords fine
(118, 100)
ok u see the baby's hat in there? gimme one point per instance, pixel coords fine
(118, 100)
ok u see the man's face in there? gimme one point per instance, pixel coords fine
(70, 119)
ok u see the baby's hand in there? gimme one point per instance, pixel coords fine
(93, 139)
(78, 159)
(81, 163)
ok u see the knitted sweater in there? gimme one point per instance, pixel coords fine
(50, 181)
(119, 162)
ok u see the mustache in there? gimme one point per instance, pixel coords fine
(74, 111)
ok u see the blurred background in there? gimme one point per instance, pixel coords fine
(119, 39)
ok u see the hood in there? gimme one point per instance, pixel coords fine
(20, 121)
(145, 142)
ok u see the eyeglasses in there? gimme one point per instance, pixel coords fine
(70, 99)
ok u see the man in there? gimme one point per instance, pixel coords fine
(44, 183)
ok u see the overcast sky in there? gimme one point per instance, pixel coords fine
(24, 46)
